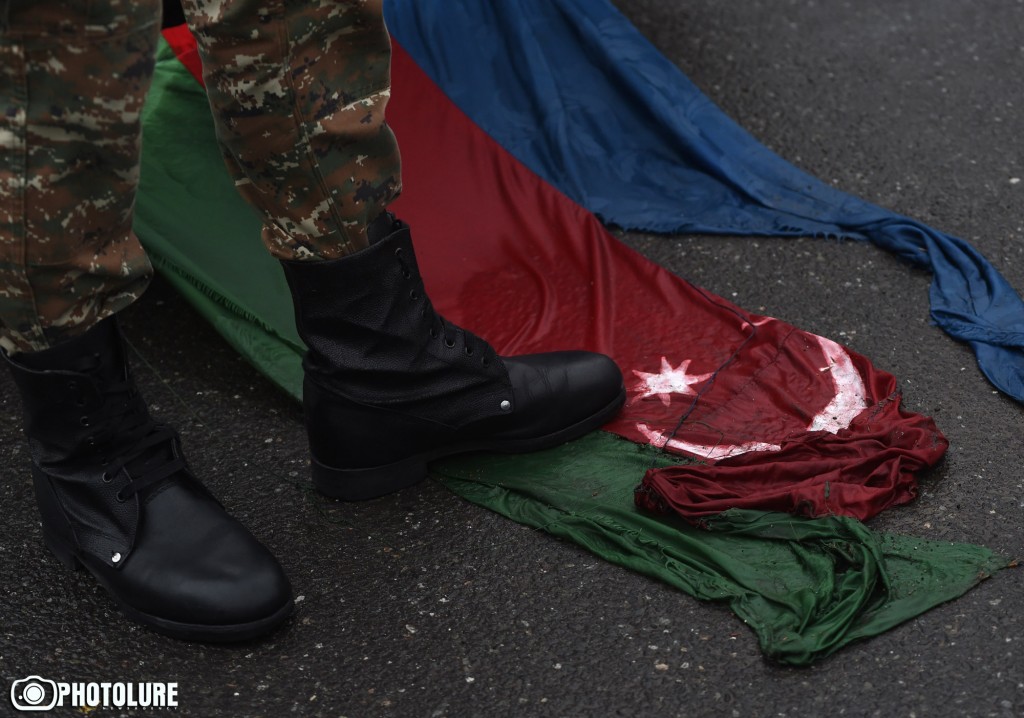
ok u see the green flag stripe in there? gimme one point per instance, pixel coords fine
(806, 586)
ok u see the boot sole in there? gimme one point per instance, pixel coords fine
(228, 633)
(377, 481)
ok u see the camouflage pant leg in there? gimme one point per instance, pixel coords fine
(73, 75)
(298, 90)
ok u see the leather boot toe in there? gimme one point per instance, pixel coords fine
(212, 581)
(558, 394)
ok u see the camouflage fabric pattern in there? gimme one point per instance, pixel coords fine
(73, 75)
(298, 91)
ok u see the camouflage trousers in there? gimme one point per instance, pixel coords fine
(297, 88)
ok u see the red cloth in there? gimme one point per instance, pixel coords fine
(184, 46)
(856, 472)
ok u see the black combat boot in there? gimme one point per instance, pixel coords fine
(391, 385)
(117, 497)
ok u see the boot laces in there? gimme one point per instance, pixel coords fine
(132, 440)
(472, 345)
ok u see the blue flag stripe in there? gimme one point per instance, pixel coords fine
(576, 93)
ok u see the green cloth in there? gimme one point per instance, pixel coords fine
(806, 587)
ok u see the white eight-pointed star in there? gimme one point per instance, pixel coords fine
(667, 382)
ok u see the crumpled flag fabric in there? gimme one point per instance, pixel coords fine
(577, 94)
(806, 587)
(858, 472)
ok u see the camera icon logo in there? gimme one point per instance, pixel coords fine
(34, 693)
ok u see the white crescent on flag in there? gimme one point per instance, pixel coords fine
(846, 403)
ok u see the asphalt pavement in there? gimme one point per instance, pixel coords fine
(421, 604)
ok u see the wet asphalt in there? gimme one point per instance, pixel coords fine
(421, 604)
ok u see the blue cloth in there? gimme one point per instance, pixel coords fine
(577, 94)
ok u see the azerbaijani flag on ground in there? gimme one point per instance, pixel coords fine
(748, 450)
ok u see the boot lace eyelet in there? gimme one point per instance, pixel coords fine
(84, 421)
(485, 361)
(107, 478)
(450, 343)
(120, 499)
(414, 295)
(433, 333)
(469, 352)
